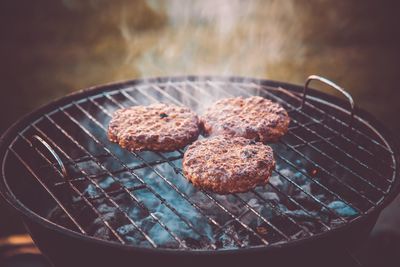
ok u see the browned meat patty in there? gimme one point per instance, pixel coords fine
(157, 127)
(228, 165)
(253, 118)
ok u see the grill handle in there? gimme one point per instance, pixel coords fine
(333, 85)
(41, 141)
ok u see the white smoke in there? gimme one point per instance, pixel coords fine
(225, 37)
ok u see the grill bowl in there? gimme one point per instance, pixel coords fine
(65, 246)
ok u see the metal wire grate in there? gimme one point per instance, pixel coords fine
(327, 173)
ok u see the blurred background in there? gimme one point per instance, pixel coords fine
(50, 48)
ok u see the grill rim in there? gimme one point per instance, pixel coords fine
(13, 201)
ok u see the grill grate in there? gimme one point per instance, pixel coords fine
(327, 173)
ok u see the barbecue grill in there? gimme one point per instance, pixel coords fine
(85, 200)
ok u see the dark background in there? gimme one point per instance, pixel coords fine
(50, 48)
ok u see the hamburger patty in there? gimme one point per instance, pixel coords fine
(157, 127)
(253, 118)
(228, 165)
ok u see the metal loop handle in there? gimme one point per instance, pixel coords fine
(333, 85)
(53, 153)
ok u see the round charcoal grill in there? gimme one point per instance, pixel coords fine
(87, 201)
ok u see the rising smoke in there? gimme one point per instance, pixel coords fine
(214, 37)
